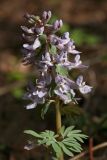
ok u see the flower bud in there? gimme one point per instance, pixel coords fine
(57, 24)
(46, 16)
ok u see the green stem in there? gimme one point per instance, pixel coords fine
(58, 123)
(58, 117)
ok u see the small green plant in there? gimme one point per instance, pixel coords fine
(68, 142)
(54, 57)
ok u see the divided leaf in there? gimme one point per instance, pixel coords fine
(32, 133)
(69, 143)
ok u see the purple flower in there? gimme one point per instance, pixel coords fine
(46, 16)
(28, 57)
(83, 88)
(53, 54)
(76, 64)
(57, 25)
(28, 30)
(60, 42)
(36, 94)
(39, 30)
(63, 96)
(33, 46)
(70, 47)
(64, 43)
(46, 76)
(63, 40)
(65, 88)
(64, 80)
(30, 145)
(47, 59)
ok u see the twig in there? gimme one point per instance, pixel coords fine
(91, 148)
(102, 145)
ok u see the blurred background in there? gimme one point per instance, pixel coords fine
(86, 20)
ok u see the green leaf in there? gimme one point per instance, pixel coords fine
(77, 136)
(57, 149)
(51, 133)
(48, 134)
(61, 70)
(68, 130)
(68, 145)
(45, 108)
(44, 134)
(53, 49)
(69, 139)
(65, 150)
(75, 150)
(74, 146)
(43, 38)
(40, 142)
(76, 131)
(33, 133)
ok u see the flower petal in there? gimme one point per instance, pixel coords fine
(85, 89)
(79, 80)
(31, 106)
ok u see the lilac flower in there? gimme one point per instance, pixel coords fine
(28, 57)
(65, 88)
(63, 40)
(39, 30)
(57, 25)
(70, 47)
(46, 76)
(30, 145)
(33, 46)
(84, 89)
(66, 37)
(46, 16)
(64, 44)
(60, 42)
(63, 96)
(76, 64)
(61, 58)
(48, 61)
(64, 80)
(28, 30)
(36, 95)
(31, 106)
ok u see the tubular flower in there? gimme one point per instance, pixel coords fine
(50, 54)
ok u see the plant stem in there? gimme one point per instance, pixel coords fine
(58, 123)
(58, 117)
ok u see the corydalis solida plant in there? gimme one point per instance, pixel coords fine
(50, 54)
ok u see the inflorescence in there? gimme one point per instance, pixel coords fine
(54, 56)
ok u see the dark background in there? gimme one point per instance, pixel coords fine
(86, 20)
